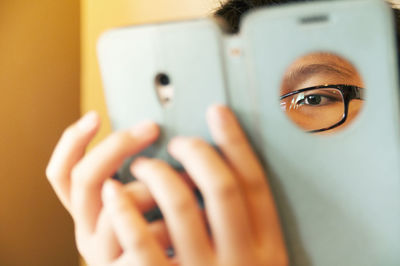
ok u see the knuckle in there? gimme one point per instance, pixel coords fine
(257, 184)
(54, 176)
(226, 190)
(78, 177)
(82, 179)
(149, 167)
(82, 244)
(119, 138)
(196, 143)
(76, 173)
(139, 242)
(182, 204)
(50, 173)
(70, 132)
(276, 256)
(235, 138)
(123, 207)
(120, 141)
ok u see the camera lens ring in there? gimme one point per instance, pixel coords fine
(163, 79)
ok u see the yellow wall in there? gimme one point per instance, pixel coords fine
(39, 85)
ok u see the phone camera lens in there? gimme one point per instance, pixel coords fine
(164, 89)
(163, 79)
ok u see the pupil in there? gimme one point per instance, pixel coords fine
(314, 99)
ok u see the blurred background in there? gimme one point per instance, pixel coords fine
(48, 77)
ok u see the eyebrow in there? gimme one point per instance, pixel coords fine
(303, 73)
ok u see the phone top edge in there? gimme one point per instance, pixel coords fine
(156, 23)
(218, 24)
(308, 8)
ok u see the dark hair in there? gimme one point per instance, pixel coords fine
(232, 10)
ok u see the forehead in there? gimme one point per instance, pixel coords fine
(319, 69)
(324, 59)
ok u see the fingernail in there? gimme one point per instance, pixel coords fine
(88, 121)
(145, 129)
(219, 115)
(110, 189)
(174, 143)
(137, 164)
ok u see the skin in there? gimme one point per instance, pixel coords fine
(319, 69)
(110, 229)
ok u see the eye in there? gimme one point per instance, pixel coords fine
(313, 99)
(317, 92)
(317, 99)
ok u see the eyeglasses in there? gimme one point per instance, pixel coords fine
(320, 108)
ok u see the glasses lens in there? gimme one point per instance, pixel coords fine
(315, 109)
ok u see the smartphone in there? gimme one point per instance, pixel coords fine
(337, 194)
(169, 73)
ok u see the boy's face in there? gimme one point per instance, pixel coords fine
(321, 108)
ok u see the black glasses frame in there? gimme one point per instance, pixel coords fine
(349, 92)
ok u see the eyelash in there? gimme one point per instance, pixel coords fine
(330, 98)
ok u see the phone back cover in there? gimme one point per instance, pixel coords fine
(189, 52)
(338, 195)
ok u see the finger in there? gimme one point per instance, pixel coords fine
(130, 227)
(68, 152)
(144, 201)
(233, 143)
(174, 261)
(160, 231)
(99, 164)
(188, 180)
(224, 203)
(105, 240)
(108, 245)
(142, 197)
(181, 213)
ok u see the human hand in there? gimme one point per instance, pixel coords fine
(240, 211)
(78, 179)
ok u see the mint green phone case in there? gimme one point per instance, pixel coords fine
(189, 52)
(338, 195)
